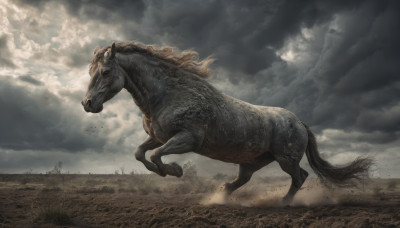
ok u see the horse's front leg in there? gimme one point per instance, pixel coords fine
(140, 153)
(180, 143)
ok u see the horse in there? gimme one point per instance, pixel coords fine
(183, 112)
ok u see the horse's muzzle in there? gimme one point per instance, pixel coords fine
(89, 107)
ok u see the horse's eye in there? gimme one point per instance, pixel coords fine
(106, 72)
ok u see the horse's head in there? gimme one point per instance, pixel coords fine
(106, 80)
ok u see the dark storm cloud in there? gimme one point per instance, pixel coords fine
(5, 54)
(38, 121)
(242, 35)
(360, 85)
(31, 80)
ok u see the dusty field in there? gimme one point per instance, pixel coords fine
(152, 201)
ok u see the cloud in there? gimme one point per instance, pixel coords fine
(357, 70)
(240, 40)
(5, 54)
(30, 79)
(106, 11)
(38, 120)
(341, 72)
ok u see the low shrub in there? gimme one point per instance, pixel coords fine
(392, 184)
(377, 190)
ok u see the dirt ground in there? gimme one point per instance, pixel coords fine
(61, 200)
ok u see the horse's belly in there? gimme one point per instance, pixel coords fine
(238, 136)
(235, 149)
(237, 157)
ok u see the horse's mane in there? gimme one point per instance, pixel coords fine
(187, 60)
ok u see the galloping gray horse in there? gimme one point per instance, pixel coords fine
(183, 113)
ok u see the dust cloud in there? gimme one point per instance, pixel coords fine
(312, 194)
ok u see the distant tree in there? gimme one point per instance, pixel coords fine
(57, 168)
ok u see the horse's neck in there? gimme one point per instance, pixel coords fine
(140, 82)
(138, 96)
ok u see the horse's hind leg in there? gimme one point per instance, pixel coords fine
(298, 175)
(244, 175)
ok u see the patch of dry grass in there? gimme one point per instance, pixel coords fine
(104, 189)
(54, 214)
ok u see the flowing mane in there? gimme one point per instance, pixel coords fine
(187, 60)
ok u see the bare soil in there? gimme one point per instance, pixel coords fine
(152, 201)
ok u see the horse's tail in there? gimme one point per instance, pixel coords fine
(326, 171)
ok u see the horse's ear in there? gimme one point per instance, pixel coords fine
(112, 50)
(110, 53)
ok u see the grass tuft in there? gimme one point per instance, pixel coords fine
(54, 214)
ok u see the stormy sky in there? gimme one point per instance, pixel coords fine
(335, 64)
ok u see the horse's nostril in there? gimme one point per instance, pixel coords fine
(89, 103)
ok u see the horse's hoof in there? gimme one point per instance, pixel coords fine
(286, 201)
(225, 188)
(162, 172)
(178, 171)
